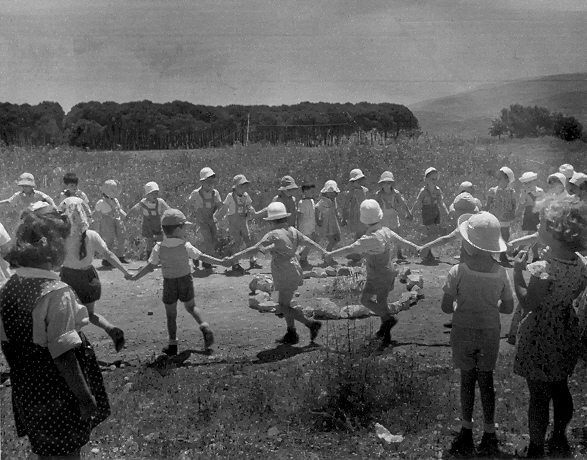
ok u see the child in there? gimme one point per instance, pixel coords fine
(578, 185)
(4, 248)
(327, 216)
(108, 216)
(238, 207)
(557, 184)
(77, 270)
(478, 284)
(151, 207)
(307, 219)
(287, 188)
(466, 187)
(71, 181)
(431, 201)
(566, 170)
(376, 244)
(282, 242)
(529, 194)
(356, 194)
(502, 203)
(549, 339)
(206, 201)
(174, 254)
(391, 200)
(28, 194)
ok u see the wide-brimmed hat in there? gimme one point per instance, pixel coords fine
(464, 203)
(239, 179)
(509, 173)
(528, 176)
(41, 208)
(356, 174)
(287, 183)
(26, 179)
(370, 212)
(151, 187)
(567, 169)
(428, 171)
(330, 186)
(173, 216)
(205, 173)
(386, 176)
(560, 177)
(578, 179)
(276, 210)
(482, 231)
(466, 186)
(110, 188)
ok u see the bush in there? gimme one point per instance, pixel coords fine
(567, 128)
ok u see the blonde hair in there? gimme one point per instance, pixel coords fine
(566, 220)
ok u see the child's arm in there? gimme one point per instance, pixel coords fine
(309, 241)
(245, 252)
(447, 304)
(341, 251)
(417, 201)
(529, 295)
(441, 241)
(210, 260)
(132, 210)
(404, 204)
(405, 242)
(143, 271)
(524, 240)
(220, 214)
(443, 207)
(111, 257)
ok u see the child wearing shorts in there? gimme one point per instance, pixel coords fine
(377, 246)
(151, 207)
(71, 182)
(282, 242)
(77, 270)
(108, 216)
(174, 254)
(482, 291)
(327, 217)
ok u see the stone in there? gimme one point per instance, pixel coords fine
(309, 274)
(403, 276)
(258, 299)
(261, 283)
(319, 272)
(355, 311)
(330, 271)
(325, 309)
(273, 431)
(268, 307)
(414, 280)
(344, 271)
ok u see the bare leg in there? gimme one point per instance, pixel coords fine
(171, 313)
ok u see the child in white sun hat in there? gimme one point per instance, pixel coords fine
(28, 194)
(567, 170)
(392, 202)
(238, 208)
(557, 185)
(109, 217)
(307, 218)
(431, 201)
(481, 290)
(377, 247)
(578, 185)
(205, 201)
(503, 203)
(353, 198)
(468, 188)
(285, 194)
(282, 242)
(327, 216)
(151, 207)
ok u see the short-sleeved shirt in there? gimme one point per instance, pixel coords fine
(95, 245)
(244, 201)
(307, 216)
(502, 203)
(108, 206)
(21, 201)
(175, 263)
(57, 317)
(63, 195)
(377, 247)
(4, 268)
(196, 199)
(477, 295)
(529, 198)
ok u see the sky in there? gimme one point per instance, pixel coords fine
(220, 52)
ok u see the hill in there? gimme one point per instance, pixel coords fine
(470, 113)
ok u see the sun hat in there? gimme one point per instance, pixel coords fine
(386, 176)
(356, 174)
(466, 186)
(239, 179)
(330, 186)
(205, 173)
(151, 187)
(578, 179)
(464, 203)
(276, 210)
(509, 173)
(41, 208)
(567, 170)
(430, 170)
(173, 216)
(370, 212)
(26, 179)
(287, 183)
(560, 177)
(528, 176)
(482, 231)
(110, 188)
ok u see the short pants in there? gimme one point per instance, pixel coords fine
(474, 348)
(84, 282)
(175, 289)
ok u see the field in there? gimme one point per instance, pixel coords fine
(249, 398)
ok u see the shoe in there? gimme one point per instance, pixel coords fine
(462, 445)
(236, 270)
(170, 350)
(448, 325)
(106, 264)
(558, 445)
(123, 260)
(489, 446)
(196, 264)
(117, 336)
(385, 331)
(314, 329)
(535, 451)
(207, 266)
(291, 337)
(305, 264)
(208, 336)
(400, 256)
(254, 264)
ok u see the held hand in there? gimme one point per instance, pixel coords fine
(410, 217)
(227, 261)
(129, 277)
(520, 260)
(88, 409)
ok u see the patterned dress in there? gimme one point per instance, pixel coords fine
(44, 407)
(549, 335)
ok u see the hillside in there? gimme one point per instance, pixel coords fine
(470, 113)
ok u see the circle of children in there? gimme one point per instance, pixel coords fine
(51, 287)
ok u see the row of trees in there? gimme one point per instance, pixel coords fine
(178, 124)
(520, 121)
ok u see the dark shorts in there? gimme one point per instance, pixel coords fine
(430, 214)
(84, 282)
(474, 348)
(175, 289)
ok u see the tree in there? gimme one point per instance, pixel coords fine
(567, 128)
(498, 128)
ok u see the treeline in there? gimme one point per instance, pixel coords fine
(520, 121)
(147, 125)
